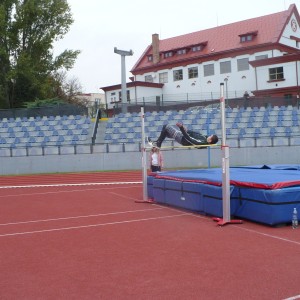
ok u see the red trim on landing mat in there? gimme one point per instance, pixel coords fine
(277, 185)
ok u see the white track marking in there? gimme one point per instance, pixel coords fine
(293, 298)
(60, 191)
(68, 184)
(78, 217)
(266, 234)
(89, 226)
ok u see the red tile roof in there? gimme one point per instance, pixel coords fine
(220, 40)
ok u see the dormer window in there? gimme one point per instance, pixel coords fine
(247, 37)
(181, 51)
(168, 54)
(197, 48)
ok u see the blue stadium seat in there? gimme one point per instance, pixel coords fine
(31, 140)
(46, 139)
(17, 141)
(288, 131)
(75, 138)
(137, 136)
(242, 132)
(107, 137)
(272, 132)
(234, 126)
(257, 132)
(84, 132)
(60, 139)
(116, 130)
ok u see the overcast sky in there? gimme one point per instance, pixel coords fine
(100, 25)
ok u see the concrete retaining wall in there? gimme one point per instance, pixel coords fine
(133, 160)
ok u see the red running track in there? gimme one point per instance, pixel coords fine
(92, 241)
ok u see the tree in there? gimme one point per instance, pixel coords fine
(28, 30)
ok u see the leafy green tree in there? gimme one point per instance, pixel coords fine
(28, 30)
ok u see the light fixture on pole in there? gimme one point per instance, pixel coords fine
(123, 53)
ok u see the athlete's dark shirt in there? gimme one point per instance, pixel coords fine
(192, 138)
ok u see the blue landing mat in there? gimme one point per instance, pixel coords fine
(264, 194)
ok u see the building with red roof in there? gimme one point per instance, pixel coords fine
(259, 55)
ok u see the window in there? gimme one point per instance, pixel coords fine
(196, 48)
(163, 77)
(243, 64)
(177, 75)
(193, 72)
(276, 73)
(168, 54)
(113, 98)
(150, 58)
(181, 51)
(225, 67)
(264, 56)
(128, 96)
(209, 70)
(148, 78)
(246, 38)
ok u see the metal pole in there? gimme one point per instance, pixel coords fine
(225, 162)
(144, 156)
(123, 92)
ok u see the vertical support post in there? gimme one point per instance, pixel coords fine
(144, 156)
(225, 168)
(144, 162)
(225, 161)
(123, 85)
(208, 149)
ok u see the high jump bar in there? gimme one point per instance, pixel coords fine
(185, 147)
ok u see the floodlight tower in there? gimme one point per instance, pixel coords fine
(123, 53)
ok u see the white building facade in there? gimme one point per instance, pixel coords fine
(260, 56)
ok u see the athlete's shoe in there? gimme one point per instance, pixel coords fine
(149, 141)
(151, 144)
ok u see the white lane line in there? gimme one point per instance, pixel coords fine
(293, 298)
(267, 235)
(60, 191)
(88, 226)
(69, 184)
(79, 217)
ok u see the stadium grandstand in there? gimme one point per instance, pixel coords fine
(263, 128)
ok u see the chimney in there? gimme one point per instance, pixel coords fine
(155, 48)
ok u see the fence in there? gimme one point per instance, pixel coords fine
(57, 110)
